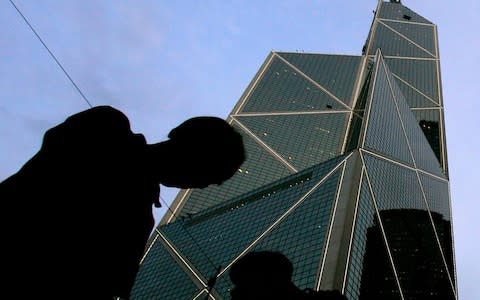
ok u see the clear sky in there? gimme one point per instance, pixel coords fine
(161, 62)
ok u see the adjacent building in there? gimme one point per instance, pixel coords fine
(346, 174)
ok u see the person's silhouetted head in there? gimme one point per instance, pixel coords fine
(262, 275)
(201, 151)
(267, 275)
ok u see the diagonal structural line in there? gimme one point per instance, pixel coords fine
(398, 163)
(268, 148)
(246, 96)
(51, 54)
(313, 82)
(171, 246)
(414, 88)
(191, 238)
(408, 39)
(148, 249)
(186, 264)
(178, 205)
(406, 22)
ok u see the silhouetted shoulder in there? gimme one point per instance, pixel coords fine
(97, 125)
(99, 116)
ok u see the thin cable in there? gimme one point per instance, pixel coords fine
(190, 235)
(51, 54)
(213, 279)
(89, 104)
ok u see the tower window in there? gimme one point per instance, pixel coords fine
(407, 17)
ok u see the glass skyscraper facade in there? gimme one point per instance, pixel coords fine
(346, 174)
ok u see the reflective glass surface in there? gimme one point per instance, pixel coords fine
(302, 235)
(421, 74)
(394, 186)
(370, 273)
(422, 35)
(416, 254)
(283, 88)
(429, 121)
(259, 168)
(438, 199)
(396, 11)
(302, 140)
(393, 44)
(162, 278)
(413, 97)
(359, 111)
(333, 72)
(409, 231)
(216, 236)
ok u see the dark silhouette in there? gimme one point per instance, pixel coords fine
(77, 215)
(267, 275)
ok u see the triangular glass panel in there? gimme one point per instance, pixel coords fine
(384, 132)
(422, 74)
(437, 194)
(334, 72)
(303, 140)
(370, 273)
(221, 233)
(422, 35)
(260, 168)
(396, 11)
(162, 275)
(413, 97)
(392, 44)
(282, 88)
(423, 154)
(409, 230)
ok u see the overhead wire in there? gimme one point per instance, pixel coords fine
(213, 278)
(51, 53)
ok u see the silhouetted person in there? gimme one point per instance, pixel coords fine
(267, 275)
(77, 215)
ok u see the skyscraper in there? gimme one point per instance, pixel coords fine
(346, 174)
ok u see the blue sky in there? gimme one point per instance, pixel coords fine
(161, 62)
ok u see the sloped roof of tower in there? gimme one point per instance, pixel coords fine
(395, 10)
